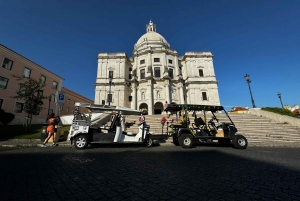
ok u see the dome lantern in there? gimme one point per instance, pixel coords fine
(150, 27)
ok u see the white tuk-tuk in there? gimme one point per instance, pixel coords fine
(83, 133)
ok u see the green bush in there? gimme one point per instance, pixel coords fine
(18, 131)
(6, 118)
(278, 110)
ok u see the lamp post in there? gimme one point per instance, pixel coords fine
(279, 96)
(109, 96)
(247, 77)
(49, 104)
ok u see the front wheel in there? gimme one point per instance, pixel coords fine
(148, 141)
(239, 142)
(81, 142)
(186, 141)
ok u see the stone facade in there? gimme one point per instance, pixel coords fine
(156, 74)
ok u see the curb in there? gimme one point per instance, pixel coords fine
(20, 143)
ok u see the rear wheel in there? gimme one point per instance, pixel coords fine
(239, 142)
(148, 141)
(186, 141)
(81, 142)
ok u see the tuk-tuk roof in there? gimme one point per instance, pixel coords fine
(108, 108)
(191, 107)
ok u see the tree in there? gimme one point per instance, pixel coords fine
(32, 94)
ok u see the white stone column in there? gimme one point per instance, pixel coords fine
(149, 63)
(150, 96)
(181, 94)
(134, 96)
(176, 67)
(167, 88)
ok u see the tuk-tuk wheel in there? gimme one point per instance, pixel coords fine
(81, 142)
(239, 142)
(148, 141)
(186, 141)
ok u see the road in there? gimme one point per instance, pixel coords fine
(155, 173)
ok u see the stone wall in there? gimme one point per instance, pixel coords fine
(277, 117)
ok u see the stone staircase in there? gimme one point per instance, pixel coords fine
(260, 131)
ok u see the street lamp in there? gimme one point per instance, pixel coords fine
(247, 77)
(279, 96)
(49, 104)
(109, 95)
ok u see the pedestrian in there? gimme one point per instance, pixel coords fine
(167, 112)
(112, 116)
(166, 104)
(50, 129)
(142, 119)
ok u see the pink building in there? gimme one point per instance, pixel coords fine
(70, 99)
(13, 63)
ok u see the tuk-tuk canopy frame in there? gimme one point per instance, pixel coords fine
(192, 107)
(108, 108)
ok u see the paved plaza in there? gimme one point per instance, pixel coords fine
(155, 173)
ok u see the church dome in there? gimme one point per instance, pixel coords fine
(151, 38)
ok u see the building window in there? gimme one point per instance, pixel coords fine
(130, 69)
(43, 79)
(40, 93)
(130, 98)
(1, 102)
(157, 72)
(54, 85)
(51, 111)
(201, 73)
(68, 109)
(156, 60)
(52, 98)
(171, 73)
(130, 76)
(7, 64)
(73, 102)
(111, 74)
(204, 96)
(142, 61)
(69, 101)
(143, 74)
(3, 82)
(61, 108)
(19, 107)
(22, 88)
(170, 61)
(72, 110)
(26, 72)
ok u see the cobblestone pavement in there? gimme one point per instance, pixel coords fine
(155, 173)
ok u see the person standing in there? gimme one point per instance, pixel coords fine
(166, 104)
(50, 129)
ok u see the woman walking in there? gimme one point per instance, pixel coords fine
(50, 129)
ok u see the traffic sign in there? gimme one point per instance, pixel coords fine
(60, 97)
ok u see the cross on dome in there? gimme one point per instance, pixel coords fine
(151, 27)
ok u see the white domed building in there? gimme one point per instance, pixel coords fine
(155, 74)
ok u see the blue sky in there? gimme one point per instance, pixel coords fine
(255, 37)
